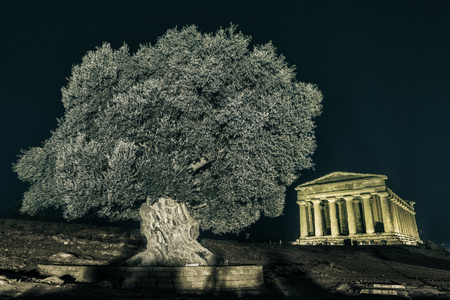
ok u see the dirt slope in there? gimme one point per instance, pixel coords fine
(300, 272)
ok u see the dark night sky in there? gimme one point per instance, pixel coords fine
(383, 67)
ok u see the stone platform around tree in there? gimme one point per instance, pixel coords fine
(183, 278)
(381, 238)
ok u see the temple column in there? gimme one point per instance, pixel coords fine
(350, 214)
(396, 223)
(404, 222)
(410, 223)
(386, 212)
(395, 213)
(317, 218)
(342, 217)
(303, 219)
(368, 215)
(413, 221)
(407, 224)
(357, 206)
(333, 217)
(402, 219)
(416, 230)
(413, 229)
(310, 218)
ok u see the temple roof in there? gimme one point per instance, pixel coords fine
(341, 176)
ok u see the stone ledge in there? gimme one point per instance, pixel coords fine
(184, 278)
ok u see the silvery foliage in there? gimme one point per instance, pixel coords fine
(200, 118)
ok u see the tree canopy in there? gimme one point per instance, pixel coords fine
(205, 119)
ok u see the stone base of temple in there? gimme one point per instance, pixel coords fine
(360, 239)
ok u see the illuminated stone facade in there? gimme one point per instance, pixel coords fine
(350, 208)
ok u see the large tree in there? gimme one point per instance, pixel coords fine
(196, 125)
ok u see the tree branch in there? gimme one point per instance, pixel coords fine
(198, 165)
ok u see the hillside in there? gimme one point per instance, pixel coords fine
(299, 272)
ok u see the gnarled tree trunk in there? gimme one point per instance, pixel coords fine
(171, 236)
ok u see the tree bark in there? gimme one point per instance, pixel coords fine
(171, 235)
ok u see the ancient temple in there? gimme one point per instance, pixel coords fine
(351, 208)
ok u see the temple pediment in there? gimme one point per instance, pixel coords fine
(341, 177)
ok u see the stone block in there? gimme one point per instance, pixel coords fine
(186, 273)
(163, 274)
(146, 285)
(165, 285)
(388, 286)
(379, 292)
(198, 284)
(205, 272)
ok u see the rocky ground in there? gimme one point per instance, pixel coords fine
(297, 272)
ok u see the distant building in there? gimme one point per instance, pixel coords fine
(350, 208)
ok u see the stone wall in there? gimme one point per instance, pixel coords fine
(183, 278)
